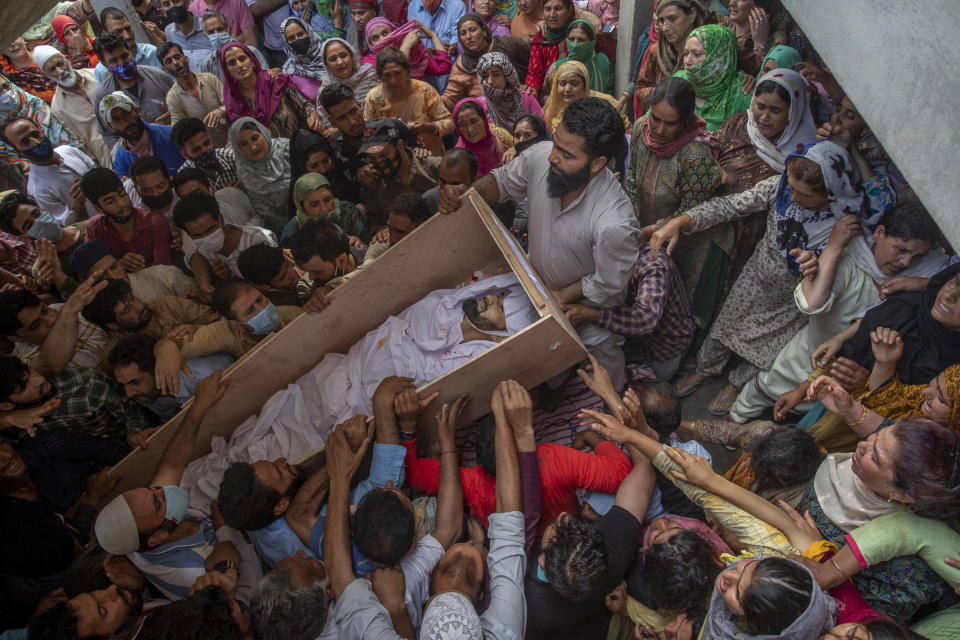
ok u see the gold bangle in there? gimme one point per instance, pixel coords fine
(838, 567)
(862, 417)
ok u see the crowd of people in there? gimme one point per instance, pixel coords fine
(168, 204)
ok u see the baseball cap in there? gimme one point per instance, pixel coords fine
(113, 100)
(88, 254)
(116, 528)
(379, 133)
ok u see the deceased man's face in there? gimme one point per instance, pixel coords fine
(486, 313)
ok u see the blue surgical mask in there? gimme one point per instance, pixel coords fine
(46, 227)
(125, 71)
(217, 40)
(42, 151)
(267, 321)
(176, 499)
(541, 574)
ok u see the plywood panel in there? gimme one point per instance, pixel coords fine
(441, 253)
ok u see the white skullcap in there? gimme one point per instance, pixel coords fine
(42, 53)
(116, 528)
(451, 616)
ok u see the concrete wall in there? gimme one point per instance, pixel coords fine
(896, 62)
(634, 17)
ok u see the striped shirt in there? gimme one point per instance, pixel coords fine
(173, 568)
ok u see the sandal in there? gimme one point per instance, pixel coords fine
(723, 401)
(689, 364)
(684, 387)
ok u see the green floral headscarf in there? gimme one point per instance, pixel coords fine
(307, 184)
(785, 57)
(597, 64)
(716, 78)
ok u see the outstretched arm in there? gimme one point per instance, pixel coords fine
(508, 468)
(450, 496)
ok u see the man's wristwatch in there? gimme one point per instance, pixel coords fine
(224, 565)
(407, 435)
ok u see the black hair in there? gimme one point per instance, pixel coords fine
(190, 174)
(319, 237)
(412, 206)
(779, 593)
(244, 501)
(486, 443)
(383, 527)
(681, 571)
(536, 122)
(303, 144)
(192, 206)
(908, 220)
(108, 42)
(260, 263)
(661, 407)
(680, 95)
(471, 309)
(112, 13)
(142, 165)
(769, 86)
(205, 615)
(474, 106)
(136, 348)
(99, 182)
(784, 458)
(459, 155)
(13, 371)
(225, 293)
(934, 448)
(59, 622)
(7, 123)
(599, 124)
(282, 609)
(100, 310)
(333, 94)
(186, 129)
(11, 304)
(394, 56)
(577, 561)
(889, 630)
(8, 210)
(164, 49)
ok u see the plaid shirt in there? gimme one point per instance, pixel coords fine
(659, 317)
(89, 402)
(226, 172)
(22, 255)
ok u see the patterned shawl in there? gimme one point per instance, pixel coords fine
(800, 131)
(716, 79)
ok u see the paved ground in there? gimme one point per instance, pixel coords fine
(695, 406)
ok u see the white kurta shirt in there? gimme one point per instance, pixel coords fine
(50, 184)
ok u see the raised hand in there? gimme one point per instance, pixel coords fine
(807, 261)
(342, 461)
(848, 373)
(887, 345)
(447, 419)
(209, 391)
(693, 469)
(832, 394)
(597, 378)
(607, 426)
(517, 406)
(408, 406)
(28, 419)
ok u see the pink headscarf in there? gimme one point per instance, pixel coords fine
(268, 94)
(489, 150)
(419, 57)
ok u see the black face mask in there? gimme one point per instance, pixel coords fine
(136, 3)
(177, 15)
(207, 160)
(160, 202)
(119, 219)
(300, 46)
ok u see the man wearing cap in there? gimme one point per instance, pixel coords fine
(145, 87)
(55, 172)
(137, 138)
(147, 284)
(398, 169)
(73, 102)
(151, 525)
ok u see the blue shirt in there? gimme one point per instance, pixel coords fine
(277, 541)
(443, 22)
(194, 40)
(174, 567)
(163, 147)
(202, 366)
(146, 56)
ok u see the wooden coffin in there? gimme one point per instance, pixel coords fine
(442, 253)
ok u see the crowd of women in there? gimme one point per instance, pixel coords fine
(814, 279)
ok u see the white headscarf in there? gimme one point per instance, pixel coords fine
(364, 76)
(451, 616)
(800, 131)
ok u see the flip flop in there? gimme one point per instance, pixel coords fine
(721, 400)
(684, 380)
(689, 364)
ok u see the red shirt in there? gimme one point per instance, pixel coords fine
(562, 471)
(542, 55)
(151, 237)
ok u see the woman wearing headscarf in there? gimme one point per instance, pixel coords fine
(498, 22)
(570, 83)
(341, 63)
(487, 142)
(310, 152)
(17, 103)
(263, 166)
(780, 57)
(304, 64)
(380, 33)
(476, 39)
(760, 315)
(79, 45)
(18, 66)
(673, 20)
(758, 27)
(506, 102)
(313, 198)
(249, 91)
(710, 64)
(672, 169)
(581, 45)
(545, 47)
(327, 18)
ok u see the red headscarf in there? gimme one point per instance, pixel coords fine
(489, 150)
(419, 57)
(696, 131)
(60, 24)
(268, 93)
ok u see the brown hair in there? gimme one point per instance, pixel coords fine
(807, 172)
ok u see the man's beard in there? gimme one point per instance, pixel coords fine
(131, 619)
(300, 476)
(130, 135)
(560, 184)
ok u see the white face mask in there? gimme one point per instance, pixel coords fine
(211, 243)
(8, 96)
(67, 79)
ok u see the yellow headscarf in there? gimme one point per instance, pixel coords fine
(555, 106)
